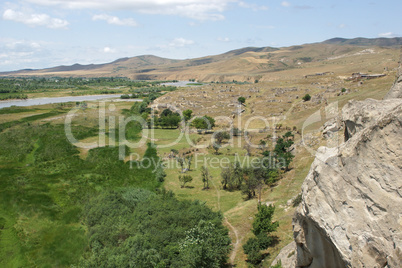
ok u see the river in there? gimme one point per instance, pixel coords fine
(42, 101)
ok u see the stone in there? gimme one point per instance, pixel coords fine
(351, 210)
(287, 256)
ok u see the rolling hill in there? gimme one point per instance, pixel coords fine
(245, 64)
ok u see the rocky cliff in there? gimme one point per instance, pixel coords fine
(351, 212)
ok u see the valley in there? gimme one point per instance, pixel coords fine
(50, 187)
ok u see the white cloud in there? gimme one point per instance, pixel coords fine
(285, 4)
(33, 20)
(180, 42)
(109, 50)
(115, 20)
(18, 54)
(195, 9)
(388, 34)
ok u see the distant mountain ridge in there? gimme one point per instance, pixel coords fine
(360, 41)
(244, 64)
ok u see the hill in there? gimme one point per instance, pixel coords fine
(245, 64)
(385, 42)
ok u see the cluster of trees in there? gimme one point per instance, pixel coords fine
(151, 92)
(251, 180)
(18, 84)
(206, 122)
(263, 226)
(13, 88)
(139, 228)
(168, 119)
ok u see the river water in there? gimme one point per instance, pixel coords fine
(42, 101)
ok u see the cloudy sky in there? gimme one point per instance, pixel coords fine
(46, 33)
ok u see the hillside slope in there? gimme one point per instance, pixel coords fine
(245, 64)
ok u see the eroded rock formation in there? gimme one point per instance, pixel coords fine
(351, 212)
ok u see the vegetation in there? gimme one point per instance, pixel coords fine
(306, 97)
(187, 114)
(58, 209)
(205, 123)
(241, 100)
(184, 179)
(263, 226)
(205, 177)
(19, 87)
(135, 227)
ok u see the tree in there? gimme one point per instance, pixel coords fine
(166, 112)
(263, 226)
(283, 156)
(221, 135)
(205, 246)
(184, 179)
(216, 147)
(205, 176)
(241, 100)
(204, 122)
(189, 159)
(253, 251)
(187, 114)
(226, 175)
(249, 186)
(180, 160)
(236, 131)
(232, 177)
(307, 97)
(263, 223)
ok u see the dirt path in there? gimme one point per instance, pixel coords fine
(236, 245)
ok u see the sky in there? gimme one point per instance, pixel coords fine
(47, 33)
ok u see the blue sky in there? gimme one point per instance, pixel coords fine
(47, 33)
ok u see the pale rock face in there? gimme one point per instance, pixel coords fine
(396, 90)
(351, 212)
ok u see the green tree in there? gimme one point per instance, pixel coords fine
(189, 158)
(263, 226)
(204, 122)
(307, 97)
(181, 162)
(184, 179)
(204, 246)
(253, 251)
(226, 175)
(263, 223)
(220, 136)
(283, 156)
(216, 147)
(187, 114)
(205, 177)
(241, 100)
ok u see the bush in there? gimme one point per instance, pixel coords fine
(242, 100)
(307, 97)
(297, 200)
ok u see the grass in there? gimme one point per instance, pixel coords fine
(44, 185)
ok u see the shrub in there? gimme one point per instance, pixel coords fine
(307, 97)
(242, 100)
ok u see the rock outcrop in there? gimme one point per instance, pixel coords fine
(351, 211)
(396, 89)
